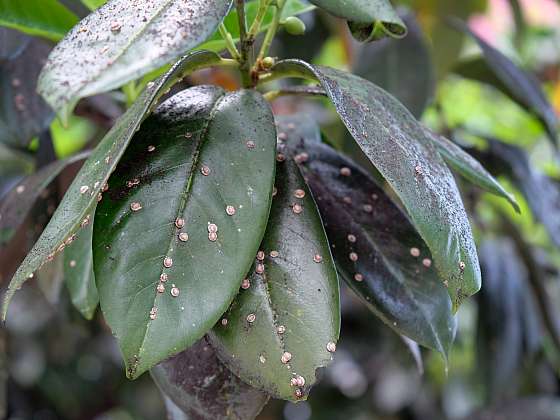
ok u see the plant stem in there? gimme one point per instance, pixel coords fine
(230, 45)
(246, 45)
(272, 29)
(261, 13)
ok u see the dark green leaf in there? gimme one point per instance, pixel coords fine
(534, 408)
(201, 164)
(368, 20)
(279, 327)
(503, 304)
(78, 273)
(208, 392)
(470, 168)
(46, 18)
(76, 209)
(406, 156)
(23, 113)
(403, 290)
(122, 41)
(389, 63)
(19, 201)
(521, 86)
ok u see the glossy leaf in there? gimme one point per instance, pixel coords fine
(368, 20)
(204, 388)
(23, 113)
(388, 64)
(19, 201)
(201, 165)
(523, 87)
(76, 209)
(504, 303)
(47, 18)
(406, 157)
(291, 8)
(362, 222)
(280, 325)
(78, 273)
(471, 169)
(113, 46)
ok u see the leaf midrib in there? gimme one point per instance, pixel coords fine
(184, 199)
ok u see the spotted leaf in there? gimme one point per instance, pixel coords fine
(78, 273)
(407, 158)
(203, 388)
(470, 168)
(78, 205)
(368, 20)
(121, 41)
(376, 249)
(285, 320)
(184, 215)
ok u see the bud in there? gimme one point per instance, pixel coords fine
(294, 26)
(267, 63)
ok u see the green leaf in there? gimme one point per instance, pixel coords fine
(291, 8)
(23, 113)
(113, 46)
(369, 20)
(19, 201)
(94, 4)
(521, 86)
(78, 273)
(223, 397)
(46, 18)
(372, 240)
(76, 209)
(201, 165)
(14, 165)
(388, 64)
(290, 311)
(405, 155)
(470, 168)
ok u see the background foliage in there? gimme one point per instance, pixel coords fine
(478, 84)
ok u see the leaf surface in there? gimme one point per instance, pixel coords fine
(407, 158)
(77, 208)
(201, 171)
(47, 18)
(204, 388)
(280, 325)
(372, 241)
(368, 20)
(78, 273)
(471, 169)
(121, 41)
